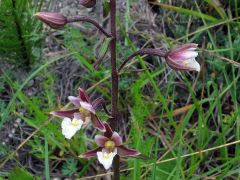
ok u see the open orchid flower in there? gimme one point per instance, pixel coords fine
(109, 146)
(83, 114)
(183, 58)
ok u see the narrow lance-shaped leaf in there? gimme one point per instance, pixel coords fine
(186, 11)
(106, 8)
(102, 51)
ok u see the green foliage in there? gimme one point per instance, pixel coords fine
(106, 8)
(20, 37)
(69, 167)
(3, 150)
(20, 173)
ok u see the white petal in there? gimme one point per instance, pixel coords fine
(77, 123)
(87, 106)
(192, 63)
(197, 67)
(69, 132)
(189, 54)
(66, 122)
(70, 127)
(191, 49)
(105, 158)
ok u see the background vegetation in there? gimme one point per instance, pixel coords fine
(187, 125)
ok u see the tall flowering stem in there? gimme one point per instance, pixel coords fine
(114, 119)
(110, 146)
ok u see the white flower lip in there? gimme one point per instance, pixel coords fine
(70, 127)
(190, 55)
(192, 63)
(106, 158)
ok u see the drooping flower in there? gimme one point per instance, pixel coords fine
(83, 114)
(52, 19)
(109, 146)
(88, 3)
(183, 58)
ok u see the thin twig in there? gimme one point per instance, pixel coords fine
(24, 142)
(87, 19)
(230, 61)
(28, 138)
(144, 51)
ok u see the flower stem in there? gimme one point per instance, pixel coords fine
(114, 74)
(89, 20)
(145, 51)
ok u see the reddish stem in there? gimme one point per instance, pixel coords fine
(87, 19)
(145, 51)
(114, 119)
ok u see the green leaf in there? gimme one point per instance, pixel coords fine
(69, 167)
(106, 8)
(46, 162)
(186, 11)
(104, 47)
(217, 7)
(19, 172)
(102, 51)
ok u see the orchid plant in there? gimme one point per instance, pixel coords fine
(110, 145)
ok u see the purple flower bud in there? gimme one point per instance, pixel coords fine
(183, 58)
(54, 20)
(88, 3)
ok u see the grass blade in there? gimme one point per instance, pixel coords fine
(46, 160)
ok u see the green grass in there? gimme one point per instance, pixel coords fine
(177, 141)
(20, 38)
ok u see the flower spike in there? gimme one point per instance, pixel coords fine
(109, 146)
